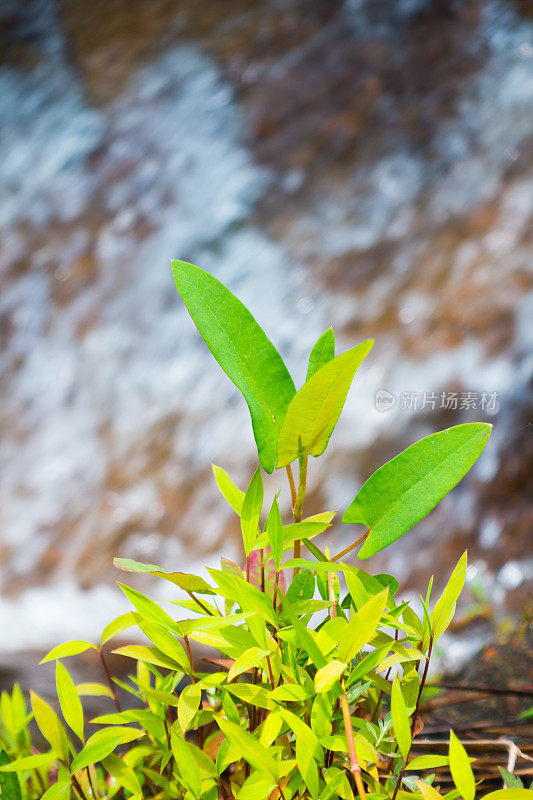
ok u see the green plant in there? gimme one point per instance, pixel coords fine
(299, 704)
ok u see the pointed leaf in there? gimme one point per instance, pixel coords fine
(243, 351)
(442, 614)
(401, 492)
(188, 704)
(73, 648)
(274, 531)
(362, 626)
(462, 774)
(326, 676)
(50, 726)
(315, 408)
(400, 718)
(250, 658)
(116, 627)
(251, 511)
(123, 774)
(69, 700)
(231, 493)
(249, 747)
(322, 352)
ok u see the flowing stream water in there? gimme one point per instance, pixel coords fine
(362, 164)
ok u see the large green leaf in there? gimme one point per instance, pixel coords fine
(314, 410)
(322, 352)
(253, 751)
(400, 718)
(405, 489)
(243, 350)
(9, 782)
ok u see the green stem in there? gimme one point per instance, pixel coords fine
(298, 505)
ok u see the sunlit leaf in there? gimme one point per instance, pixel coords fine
(400, 718)
(314, 410)
(362, 626)
(243, 351)
(444, 610)
(251, 511)
(49, 725)
(326, 676)
(231, 493)
(188, 704)
(405, 489)
(462, 774)
(252, 657)
(69, 700)
(249, 747)
(123, 774)
(116, 627)
(73, 648)
(274, 532)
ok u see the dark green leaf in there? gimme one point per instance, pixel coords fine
(405, 489)
(322, 352)
(243, 351)
(9, 782)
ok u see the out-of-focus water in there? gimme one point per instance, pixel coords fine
(367, 165)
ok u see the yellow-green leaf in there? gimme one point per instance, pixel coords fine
(73, 648)
(250, 658)
(231, 493)
(274, 532)
(400, 719)
(116, 627)
(251, 511)
(188, 704)
(123, 774)
(249, 747)
(314, 410)
(362, 626)
(69, 700)
(50, 726)
(442, 614)
(462, 774)
(326, 676)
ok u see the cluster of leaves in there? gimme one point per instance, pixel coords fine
(316, 686)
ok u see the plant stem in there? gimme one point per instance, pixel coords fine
(332, 598)
(189, 656)
(354, 763)
(415, 716)
(351, 547)
(248, 569)
(109, 679)
(298, 505)
(291, 484)
(199, 602)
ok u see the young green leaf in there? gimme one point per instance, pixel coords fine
(400, 718)
(165, 641)
(186, 763)
(96, 750)
(362, 626)
(251, 511)
(322, 352)
(462, 774)
(252, 657)
(315, 408)
(231, 493)
(69, 700)
(252, 750)
(243, 350)
(274, 532)
(116, 627)
(401, 492)
(123, 774)
(50, 726)
(442, 614)
(188, 704)
(148, 655)
(189, 583)
(149, 610)
(68, 649)
(326, 676)
(59, 791)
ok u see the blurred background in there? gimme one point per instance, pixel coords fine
(366, 164)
